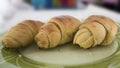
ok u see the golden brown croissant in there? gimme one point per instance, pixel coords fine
(59, 30)
(22, 34)
(94, 31)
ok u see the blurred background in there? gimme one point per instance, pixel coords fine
(8, 8)
(72, 4)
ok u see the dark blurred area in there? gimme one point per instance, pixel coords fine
(110, 4)
(69, 4)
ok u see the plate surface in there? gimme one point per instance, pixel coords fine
(69, 54)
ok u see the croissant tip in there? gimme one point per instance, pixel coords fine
(41, 45)
(41, 40)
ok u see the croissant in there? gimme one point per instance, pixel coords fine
(94, 31)
(21, 34)
(59, 30)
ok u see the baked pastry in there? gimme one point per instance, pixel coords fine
(21, 34)
(96, 30)
(59, 30)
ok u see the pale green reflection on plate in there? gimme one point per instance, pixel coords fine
(10, 58)
(69, 54)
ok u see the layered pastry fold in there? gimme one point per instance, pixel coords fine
(59, 30)
(95, 30)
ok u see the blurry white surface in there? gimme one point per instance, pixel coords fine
(46, 15)
(6, 9)
(20, 4)
(9, 7)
